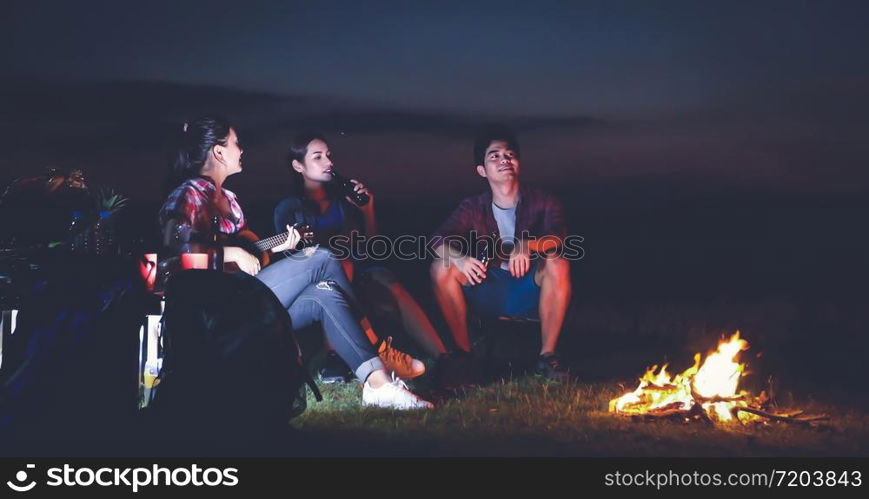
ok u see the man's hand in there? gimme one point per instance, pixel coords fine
(245, 261)
(520, 259)
(292, 241)
(473, 269)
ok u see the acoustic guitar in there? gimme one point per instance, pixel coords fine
(260, 248)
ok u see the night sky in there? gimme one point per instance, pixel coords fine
(768, 95)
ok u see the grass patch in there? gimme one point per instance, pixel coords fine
(530, 416)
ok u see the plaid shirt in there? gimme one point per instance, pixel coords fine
(538, 214)
(191, 206)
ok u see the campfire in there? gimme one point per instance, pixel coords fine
(707, 391)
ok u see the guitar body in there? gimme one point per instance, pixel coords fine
(250, 242)
(244, 239)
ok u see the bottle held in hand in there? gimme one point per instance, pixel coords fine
(361, 199)
(483, 255)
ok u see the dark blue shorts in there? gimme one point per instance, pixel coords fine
(501, 294)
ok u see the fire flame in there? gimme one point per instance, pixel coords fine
(712, 385)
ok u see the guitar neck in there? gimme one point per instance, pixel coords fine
(270, 242)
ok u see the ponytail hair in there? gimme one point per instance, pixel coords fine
(195, 140)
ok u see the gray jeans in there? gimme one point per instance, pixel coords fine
(314, 288)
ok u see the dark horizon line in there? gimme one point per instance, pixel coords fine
(42, 87)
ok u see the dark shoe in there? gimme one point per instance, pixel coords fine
(335, 370)
(457, 370)
(549, 366)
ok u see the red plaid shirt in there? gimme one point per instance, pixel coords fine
(538, 214)
(191, 206)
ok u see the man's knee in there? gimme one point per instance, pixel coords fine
(556, 268)
(441, 271)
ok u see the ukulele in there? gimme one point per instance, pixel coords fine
(250, 242)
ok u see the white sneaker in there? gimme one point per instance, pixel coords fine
(394, 395)
(401, 364)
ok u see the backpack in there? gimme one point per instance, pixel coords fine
(231, 365)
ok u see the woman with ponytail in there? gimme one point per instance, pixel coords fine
(310, 285)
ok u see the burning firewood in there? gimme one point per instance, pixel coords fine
(700, 399)
(707, 391)
(665, 388)
(791, 417)
(790, 414)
